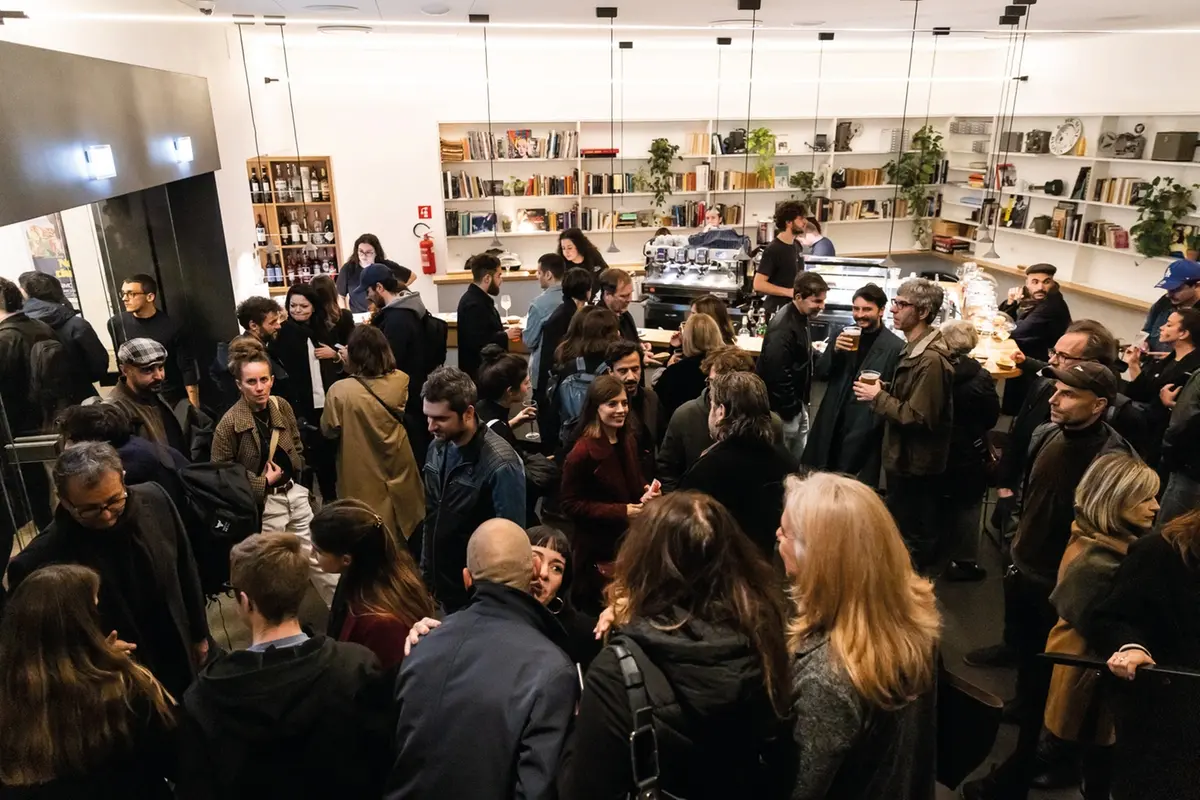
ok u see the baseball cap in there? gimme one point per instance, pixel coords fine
(1088, 375)
(141, 353)
(376, 273)
(1179, 272)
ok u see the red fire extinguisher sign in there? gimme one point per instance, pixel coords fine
(424, 212)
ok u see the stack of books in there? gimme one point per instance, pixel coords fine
(1106, 234)
(453, 150)
(1120, 191)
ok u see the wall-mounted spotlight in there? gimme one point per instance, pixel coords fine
(99, 161)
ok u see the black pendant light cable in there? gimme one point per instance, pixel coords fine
(1013, 15)
(749, 104)
(715, 149)
(623, 46)
(271, 248)
(889, 261)
(991, 179)
(822, 38)
(309, 247)
(484, 19)
(612, 132)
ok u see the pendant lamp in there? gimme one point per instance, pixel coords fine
(912, 45)
(622, 46)
(484, 19)
(822, 38)
(308, 247)
(271, 248)
(715, 149)
(610, 13)
(753, 7)
(994, 157)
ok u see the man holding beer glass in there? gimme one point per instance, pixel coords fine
(917, 410)
(847, 435)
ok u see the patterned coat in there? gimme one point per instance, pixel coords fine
(236, 439)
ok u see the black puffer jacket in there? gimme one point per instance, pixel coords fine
(88, 356)
(718, 734)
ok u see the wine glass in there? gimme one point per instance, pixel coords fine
(506, 303)
(533, 435)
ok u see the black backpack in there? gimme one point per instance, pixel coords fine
(436, 334)
(51, 381)
(219, 509)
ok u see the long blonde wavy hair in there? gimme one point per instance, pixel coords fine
(854, 581)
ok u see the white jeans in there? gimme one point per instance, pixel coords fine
(795, 433)
(290, 512)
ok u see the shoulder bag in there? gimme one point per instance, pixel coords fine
(396, 415)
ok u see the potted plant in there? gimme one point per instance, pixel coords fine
(805, 182)
(761, 142)
(1164, 205)
(913, 172)
(518, 186)
(662, 157)
(641, 180)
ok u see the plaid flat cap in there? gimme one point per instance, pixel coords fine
(141, 353)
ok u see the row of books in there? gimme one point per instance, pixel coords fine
(1106, 234)
(469, 223)
(514, 144)
(827, 210)
(689, 214)
(1066, 221)
(865, 177)
(732, 180)
(1121, 191)
(464, 186)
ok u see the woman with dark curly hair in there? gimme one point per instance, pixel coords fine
(579, 251)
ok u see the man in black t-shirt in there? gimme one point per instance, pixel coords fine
(780, 262)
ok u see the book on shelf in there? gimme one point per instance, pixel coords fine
(864, 177)
(731, 213)
(781, 176)
(1079, 192)
(462, 186)
(530, 220)
(697, 144)
(469, 223)
(688, 215)
(1120, 191)
(600, 152)
(1105, 234)
(732, 180)
(514, 144)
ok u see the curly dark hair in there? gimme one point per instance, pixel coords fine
(788, 211)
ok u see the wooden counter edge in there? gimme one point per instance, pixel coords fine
(1099, 294)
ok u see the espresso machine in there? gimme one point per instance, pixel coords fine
(677, 272)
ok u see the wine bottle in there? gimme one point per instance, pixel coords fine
(303, 229)
(314, 186)
(265, 191)
(329, 228)
(295, 229)
(255, 192)
(281, 187)
(297, 187)
(324, 187)
(317, 232)
(261, 231)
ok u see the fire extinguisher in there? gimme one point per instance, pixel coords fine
(428, 258)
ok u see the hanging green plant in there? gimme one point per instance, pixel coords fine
(662, 157)
(1159, 210)
(913, 172)
(761, 142)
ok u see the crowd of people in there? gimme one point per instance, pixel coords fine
(680, 583)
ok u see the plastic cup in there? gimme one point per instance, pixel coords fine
(869, 377)
(855, 334)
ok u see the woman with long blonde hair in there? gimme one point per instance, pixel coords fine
(78, 717)
(863, 642)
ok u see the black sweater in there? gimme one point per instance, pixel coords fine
(181, 368)
(478, 325)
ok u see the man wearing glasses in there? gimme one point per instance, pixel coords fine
(132, 536)
(142, 319)
(918, 414)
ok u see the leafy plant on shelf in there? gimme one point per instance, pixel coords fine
(662, 157)
(913, 172)
(805, 182)
(761, 142)
(1159, 211)
(641, 180)
(518, 185)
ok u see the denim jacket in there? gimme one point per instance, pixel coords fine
(485, 480)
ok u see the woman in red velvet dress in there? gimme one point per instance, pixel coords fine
(380, 594)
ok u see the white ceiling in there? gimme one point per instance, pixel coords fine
(891, 14)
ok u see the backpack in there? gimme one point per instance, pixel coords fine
(219, 510)
(51, 381)
(435, 333)
(568, 390)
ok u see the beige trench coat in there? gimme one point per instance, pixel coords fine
(375, 459)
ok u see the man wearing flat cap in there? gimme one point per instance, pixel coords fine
(142, 363)
(1060, 452)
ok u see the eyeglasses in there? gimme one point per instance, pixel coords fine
(901, 304)
(131, 294)
(95, 512)
(1061, 356)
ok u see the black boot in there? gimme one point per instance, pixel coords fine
(963, 571)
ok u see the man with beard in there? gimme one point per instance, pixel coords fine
(847, 435)
(625, 359)
(616, 293)
(1042, 317)
(1181, 280)
(260, 318)
(780, 261)
(478, 320)
(142, 363)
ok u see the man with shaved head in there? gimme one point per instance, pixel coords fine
(486, 699)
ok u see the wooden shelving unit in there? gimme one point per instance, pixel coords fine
(313, 250)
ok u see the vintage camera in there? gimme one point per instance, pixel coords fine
(735, 142)
(1037, 142)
